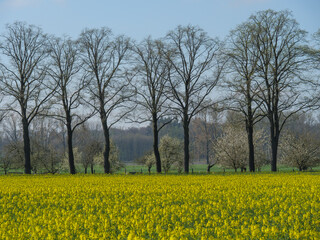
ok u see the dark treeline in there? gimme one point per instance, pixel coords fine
(235, 102)
(134, 143)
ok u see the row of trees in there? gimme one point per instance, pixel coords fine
(215, 140)
(221, 140)
(263, 69)
(49, 147)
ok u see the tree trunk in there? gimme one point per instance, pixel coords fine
(249, 125)
(70, 147)
(274, 147)
(186, 143)
(275, 129)
(92, 170)
(207, 150)
(251, 146)
(156, 142)
(106, 153)
(85, 170)
(26, 146)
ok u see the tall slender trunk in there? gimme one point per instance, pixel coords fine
(186, 143)
(274, 134)
(70, 147)
(251, 145)
(275, 123)
(92, 170)
(274, 149)
(251, 150)
(26, 145)
(106, 153)
(85, 170)
(249, 126)
(156, 142)
(207, 149)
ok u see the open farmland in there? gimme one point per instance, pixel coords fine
(231, 206)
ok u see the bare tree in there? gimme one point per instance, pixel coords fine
(104, 57)
(89, 146)
(283, 91)
(316, 50)
(13, 148)
(3, 112)
(88, 154)
(315, 55)
(24, 72)
(5, 161)
(151, 72)
(242, 85)
(204, 128)
(195, 71)
(69, 85)
(46, 150)
(6, 158)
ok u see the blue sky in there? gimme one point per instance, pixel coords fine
(140, 18)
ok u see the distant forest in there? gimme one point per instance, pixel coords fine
(133, 143)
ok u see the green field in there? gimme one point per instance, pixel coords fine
(194, 169)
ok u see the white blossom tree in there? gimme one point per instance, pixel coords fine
(300, 151)
(230, 150)
(171, 151)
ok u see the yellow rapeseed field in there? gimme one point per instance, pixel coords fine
(238, 206)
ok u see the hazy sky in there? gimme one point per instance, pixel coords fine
(140, 18)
